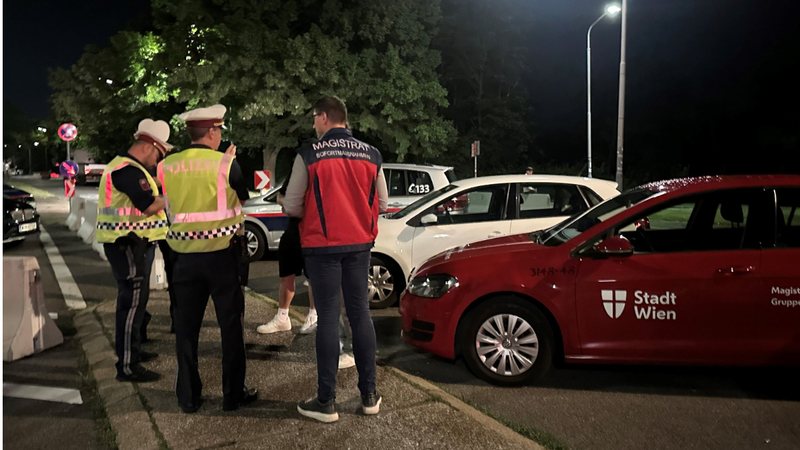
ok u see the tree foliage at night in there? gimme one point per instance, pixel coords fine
(268, 61)
(484, 69)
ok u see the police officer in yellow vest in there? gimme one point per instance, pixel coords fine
(204, 190)
(130, 219)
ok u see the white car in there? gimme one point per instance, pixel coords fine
(265, 222)
(472, 210)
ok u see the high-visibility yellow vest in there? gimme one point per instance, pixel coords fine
(116, 215)
(204, 211)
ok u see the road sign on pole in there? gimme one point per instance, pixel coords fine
(475, 150)
(67, 132)
(261, 179)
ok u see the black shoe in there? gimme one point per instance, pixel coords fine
(324, 412)
(147, 356)
(139, 375)
(190, 408)
(248, 396)
(371, 403)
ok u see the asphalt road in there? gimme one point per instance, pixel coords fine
(575, 407)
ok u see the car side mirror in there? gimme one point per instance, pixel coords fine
(429, 219)
(614, 246)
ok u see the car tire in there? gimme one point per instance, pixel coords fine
(489, 354)
(256, 242)
(384, 284)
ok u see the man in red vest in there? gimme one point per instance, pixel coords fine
(337, 188)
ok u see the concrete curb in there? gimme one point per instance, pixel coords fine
(476, 415)
(434, 391)
(130, 420)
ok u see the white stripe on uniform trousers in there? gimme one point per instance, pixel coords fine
(136, 292)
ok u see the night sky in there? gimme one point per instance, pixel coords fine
(719, 73)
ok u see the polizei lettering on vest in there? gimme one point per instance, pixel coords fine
(649, 306)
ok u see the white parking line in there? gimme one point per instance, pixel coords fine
(46, 393)
(69, 289)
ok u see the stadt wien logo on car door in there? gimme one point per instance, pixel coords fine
(614, 302)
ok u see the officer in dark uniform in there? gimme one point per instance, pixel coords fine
(130, 219)
(205, 189)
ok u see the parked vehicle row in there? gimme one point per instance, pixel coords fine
(468, 211)
(688, 271)
(20, 218)
(265, 222)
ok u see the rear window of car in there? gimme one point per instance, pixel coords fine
(403, 182)
(451, 175)
(591, 196)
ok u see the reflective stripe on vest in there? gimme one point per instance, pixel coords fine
(116, 215)
(204, 210)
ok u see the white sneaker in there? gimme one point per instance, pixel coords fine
(275, 325)
(310, 325)
(346, 361)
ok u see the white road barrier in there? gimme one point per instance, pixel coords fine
(75, 217)
(87, 229)
(27, 327)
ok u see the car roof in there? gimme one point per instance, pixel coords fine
(415, 166)
(705, 183)
(538, 178)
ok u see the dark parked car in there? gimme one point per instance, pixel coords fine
(19, 215)
(11, 192)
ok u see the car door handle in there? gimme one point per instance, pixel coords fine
(495, 234)
(730, 270)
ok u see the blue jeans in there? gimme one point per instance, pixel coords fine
(328, 275)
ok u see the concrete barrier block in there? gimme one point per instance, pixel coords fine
(75, 217)
(98, 247)
(87, 229)
(27, 327)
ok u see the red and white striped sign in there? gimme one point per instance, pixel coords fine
(261, 179)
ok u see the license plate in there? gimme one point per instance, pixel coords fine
(27, 227)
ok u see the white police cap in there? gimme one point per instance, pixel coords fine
(211, 116)
(154, 131)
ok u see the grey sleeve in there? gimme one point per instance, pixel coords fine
(383, 192)
(293, 202)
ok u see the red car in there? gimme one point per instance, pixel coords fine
(686, 271)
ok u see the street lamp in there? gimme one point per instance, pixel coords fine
(621, 101)
(610, 11)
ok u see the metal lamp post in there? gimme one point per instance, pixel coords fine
(621, 104)
(42, 131)
(610, 11)
(35, 144)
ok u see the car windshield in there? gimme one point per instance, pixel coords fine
(421, 201)
(577, 224)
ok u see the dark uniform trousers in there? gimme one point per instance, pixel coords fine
(133, 291)
(196, 276)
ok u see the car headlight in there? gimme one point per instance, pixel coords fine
(18, 215)
(432, 286)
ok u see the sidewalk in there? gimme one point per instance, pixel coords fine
(414, 413)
